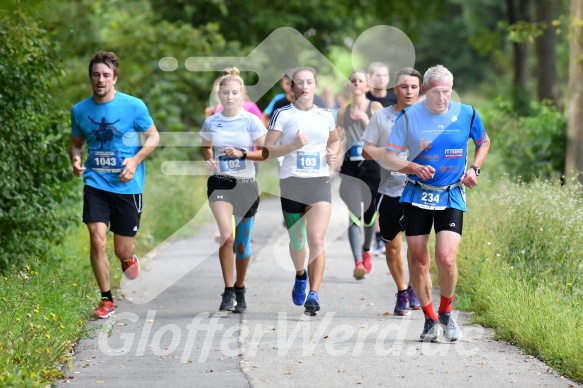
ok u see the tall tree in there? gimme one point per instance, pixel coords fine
(518, 18)
(546, 56)
(574, 158)
(176, 99)
(250, 22)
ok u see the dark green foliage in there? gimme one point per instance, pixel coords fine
(529, 146)
(33, 164)
(250, 22)
(175, 99)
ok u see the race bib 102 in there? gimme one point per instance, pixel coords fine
(231, 166)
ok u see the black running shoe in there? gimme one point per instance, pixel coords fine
(240, 298)
(228, 302)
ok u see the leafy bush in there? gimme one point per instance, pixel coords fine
(520, 266)
(34, 164)
(176, 99)
(528, 146)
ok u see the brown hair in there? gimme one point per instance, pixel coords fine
(408, 71)
(302, 68)
(372, 68)
(106, 57)
(357, 71)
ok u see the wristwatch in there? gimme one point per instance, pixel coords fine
(476, 169)
(244, 151)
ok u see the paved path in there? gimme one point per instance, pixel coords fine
(168, 331)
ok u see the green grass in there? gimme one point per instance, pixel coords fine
(171, 202)
(521, 270)
(43, 310)
(45, 305)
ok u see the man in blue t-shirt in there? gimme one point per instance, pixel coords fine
(110, 123)
(435, 132)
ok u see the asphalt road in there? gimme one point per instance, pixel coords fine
(168, 331)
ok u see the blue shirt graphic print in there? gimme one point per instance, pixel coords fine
(438, 140)
(111, 131)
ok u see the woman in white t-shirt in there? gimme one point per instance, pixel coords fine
(229, 138)
(309, 143)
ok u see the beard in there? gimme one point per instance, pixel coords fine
(101, 91)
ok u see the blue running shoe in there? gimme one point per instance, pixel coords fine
(312, 303)
(413, 301)
(402, 305)
(299, 294)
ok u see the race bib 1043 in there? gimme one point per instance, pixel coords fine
(105, 161)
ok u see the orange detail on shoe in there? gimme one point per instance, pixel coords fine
(105, 309)
(131, 267)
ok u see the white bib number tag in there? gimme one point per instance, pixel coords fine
(307, 161)
(355, 151)
(105, 161)
(430, 199)
(232, 166)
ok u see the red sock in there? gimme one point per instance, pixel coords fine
(445, 305)
(428, 310)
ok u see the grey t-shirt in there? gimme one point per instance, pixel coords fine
(377, 132)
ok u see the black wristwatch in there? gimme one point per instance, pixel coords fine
(244, 151)
(476, 169)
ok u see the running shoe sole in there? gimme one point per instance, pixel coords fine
(359, 273)
(312, 305)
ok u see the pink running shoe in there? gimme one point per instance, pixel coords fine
(359, 271)
(367, 261)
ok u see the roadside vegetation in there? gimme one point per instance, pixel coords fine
(521, 267)
(45, 305)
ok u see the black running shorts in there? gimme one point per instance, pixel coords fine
(243, 194)
(120, 211)
(391, 218)
(419, 221)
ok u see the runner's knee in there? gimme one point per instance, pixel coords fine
(243, 237)
(296, 230)
(124, 252)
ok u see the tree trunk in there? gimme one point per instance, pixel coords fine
(520, 10)
(574, 158)
(546, 71)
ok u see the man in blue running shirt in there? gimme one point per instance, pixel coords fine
(435, 132)
(110, 123)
